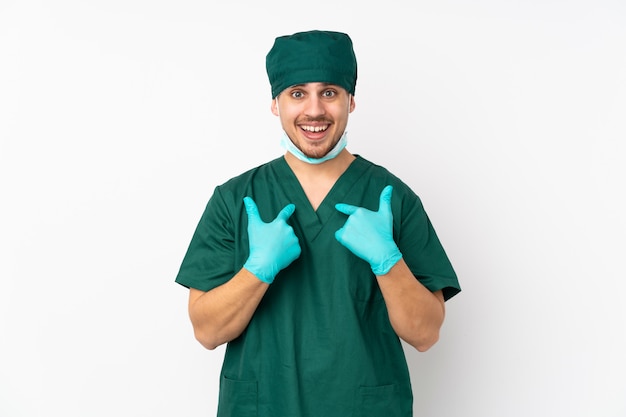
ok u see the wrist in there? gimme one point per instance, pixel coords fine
(383, 267)
(260, 273)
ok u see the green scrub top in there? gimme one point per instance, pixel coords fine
(320, 343)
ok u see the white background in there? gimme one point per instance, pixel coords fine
(118, 118)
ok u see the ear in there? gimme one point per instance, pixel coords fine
(352, 104)
(274, 107)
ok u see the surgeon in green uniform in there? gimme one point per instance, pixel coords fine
(314, 266)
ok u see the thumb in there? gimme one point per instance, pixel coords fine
(286, 212)
(385, 199)
(251, 209)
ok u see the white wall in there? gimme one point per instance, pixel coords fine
(117, 119)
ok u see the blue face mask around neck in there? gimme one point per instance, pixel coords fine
(286, 143)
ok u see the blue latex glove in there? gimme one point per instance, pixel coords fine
(273, 246)
(369, 234)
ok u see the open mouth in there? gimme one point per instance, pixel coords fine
(314, 129)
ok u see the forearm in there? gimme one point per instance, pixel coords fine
(416, 314)
(220, 315)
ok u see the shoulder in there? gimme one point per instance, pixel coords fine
(380, 176)
(243, 182)
(259, 182)
(250, 174)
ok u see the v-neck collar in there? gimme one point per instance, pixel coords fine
(313, 221)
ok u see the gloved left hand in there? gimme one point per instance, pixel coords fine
(369, 234)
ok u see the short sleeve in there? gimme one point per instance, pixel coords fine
(422, 250)
(209, 260)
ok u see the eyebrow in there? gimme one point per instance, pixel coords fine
(323, 83)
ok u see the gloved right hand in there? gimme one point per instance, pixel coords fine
(273, 246)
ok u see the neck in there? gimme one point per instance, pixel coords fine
(333, 167)
(318, 179)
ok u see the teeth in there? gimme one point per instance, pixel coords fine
(315, 128)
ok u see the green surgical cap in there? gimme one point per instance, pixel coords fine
(314, 56)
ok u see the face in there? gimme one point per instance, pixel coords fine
(314, 116)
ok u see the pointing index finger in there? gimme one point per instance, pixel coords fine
(346, 208)
(286, 212)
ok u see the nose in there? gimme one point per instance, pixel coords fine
(314, 106)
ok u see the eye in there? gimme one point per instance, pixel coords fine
(329, 93)
(297, 94)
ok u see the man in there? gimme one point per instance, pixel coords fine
(314, 265)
